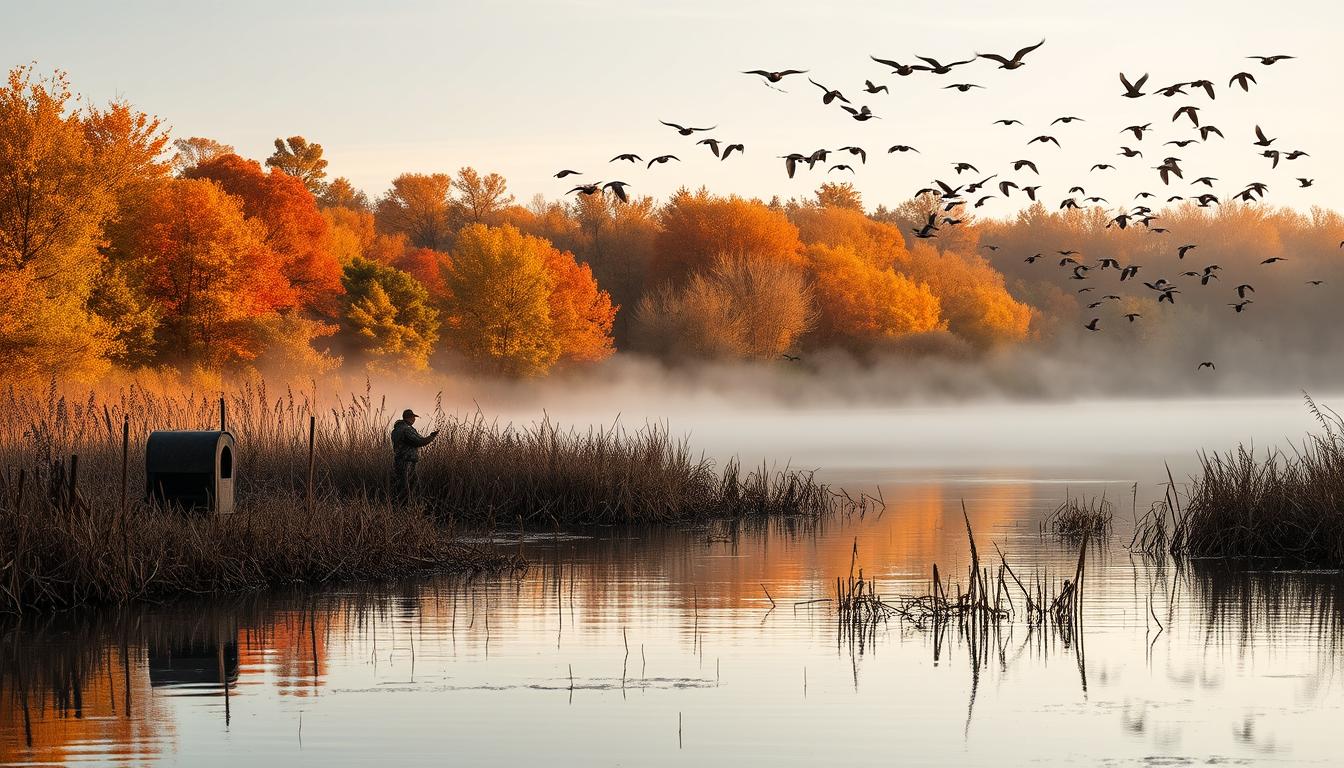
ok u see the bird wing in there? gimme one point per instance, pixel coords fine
(993, 57)
(1024, 51)
(792, 72)
(931, 62)
(760, 72)
(1259, 134)
(888, 62)
(672, 125)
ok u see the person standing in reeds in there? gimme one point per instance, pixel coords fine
(406, 445)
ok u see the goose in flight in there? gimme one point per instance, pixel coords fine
(901, 148)
(1132, 89)
(1016, 61)
(870, 87)
(1267, 60)
(963, 87)
(1139, 130)
(1261, 139)
(1208, 130)
(1243, 79)
(729, 149)
(1190, 112)
(586, 189)
(774, 77)
(686, 131)
(1043, 139)
(618, 187)
(1207, 364)
(1020, 164)
(937, 68)
(1244, 289)
(662, 159)
(1007, 122)
(861, 114)
(897, 68)
(630, 156)
(567, 172)
(828, 95)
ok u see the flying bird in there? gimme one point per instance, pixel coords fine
(1066, 120)
(1188, 111)
(1207, 364)
(938, 68)
(1267, 60)
(959, 167)
(1240, 305)
(774, 77)
(1184, 249)
(618, 187)
(729, 149)
(1243, 79)
(713, 145)
(1138, 130)
(963, 87)
(662, 159)
(1296, 153)
(897, 68)
(840, 167)
(1243, 289)
(1132, 316)
(1102, 167)
(1020, 164)
(1273, 259)
(1315, 282)
(1173, 90)
(870, 87)
(859, 151)
(901, 148)
(1092, 326)
(1207, 85)
(627, 156)
(1044, 139)
(862, 114)
(1132, 89)
(1016, 61)
(1127, 152)
(1031, 192)
(1207, 130)
(586, 189)
(828, 95)
(567, 172)
(683, 130)
(1303, 183)
(1008, 121)
(1261, 139)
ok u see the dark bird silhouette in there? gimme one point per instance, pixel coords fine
(1007, 121)
(1267, 60)
(828, 95)
(1207, 364)
(990, 247)
(1094, 199)
(684, 131)
(1315, 282)
(1184, 249)
(662, 159)
(1296, 153)
(938, 68)
(791, 162)
(1206, 200)
(1207, 130)
(1207, 85)
(630, 156)
(1132, 316)
(1172, 90)
(959, 167)
(901, 148)
(973, 187)
(1272, 154)
(1095, 304)
(1182, 143)
(713, 145)
(1092, 326)
(774, 77)
(1127, 152)
(1244, 289)
(567, 172)
(840, 167)
(1068, 203)
(858, 151)
(1190, 112)
(1138, 130)
(897, 68)
(1044, 139)
(1032, 259)
(982, 200)
(870, 87)
(1102, 167)
(586, 189)
(963, 87)
(1020, 164)
(1243, 79)
(1260, 139)
(1206, 181)
(1004, 186)
(618, 187)
(1303, 183)
(928, 229)
(1016, 61)
(861, 114)
(1240, 305)
(1273, 259)
(1130, 271)
(1132, 89)
(728, 150)
(790, 358)
(1066, 120)
(1031, 192)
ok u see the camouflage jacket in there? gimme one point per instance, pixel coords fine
(406, 441)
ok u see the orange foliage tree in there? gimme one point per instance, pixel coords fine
(697, 228)
(292, 225)
(863, 304)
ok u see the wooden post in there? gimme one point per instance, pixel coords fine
(312, 428)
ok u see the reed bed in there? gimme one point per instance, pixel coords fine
(74, 527)
(1076, 517)
(1286, 507)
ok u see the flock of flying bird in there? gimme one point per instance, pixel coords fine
(947, 198)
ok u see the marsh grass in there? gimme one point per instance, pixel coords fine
(1281, 506)
(59, 549)
(1076, 517)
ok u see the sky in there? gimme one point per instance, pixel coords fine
(526, 88)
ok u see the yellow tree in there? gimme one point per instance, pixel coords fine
(863, 304)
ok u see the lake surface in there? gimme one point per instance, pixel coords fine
(691, 647)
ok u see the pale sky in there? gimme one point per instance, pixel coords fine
(526, 87)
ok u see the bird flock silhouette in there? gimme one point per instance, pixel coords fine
(947, 198)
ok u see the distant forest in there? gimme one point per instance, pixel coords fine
(124, 248)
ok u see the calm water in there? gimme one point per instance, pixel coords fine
(658, 647)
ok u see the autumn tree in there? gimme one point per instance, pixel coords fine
(194, 151)
(842, 195)
(293, 226)
(63, 174)
(304, 161)
(863, 304)
(518, 306)
(209, 272)
(975, 302)
(698, 228)
(480, 199)
(388, 318)
(342, 193)
(420, 207)
(740, 308)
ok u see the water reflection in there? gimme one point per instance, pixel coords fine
(655, 646)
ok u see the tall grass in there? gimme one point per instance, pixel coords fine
(1280, 506)
(58, 550)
